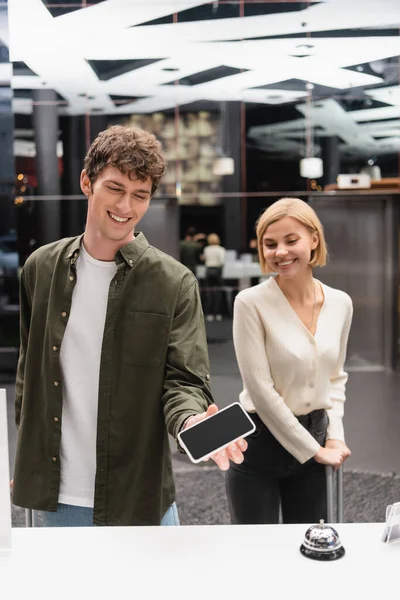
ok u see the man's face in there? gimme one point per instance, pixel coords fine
(116, 204)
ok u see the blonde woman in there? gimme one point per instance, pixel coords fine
(290, 337)
(214, 259)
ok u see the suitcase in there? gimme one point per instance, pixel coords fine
(331, 476)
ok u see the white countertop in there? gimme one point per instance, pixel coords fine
(207, 562)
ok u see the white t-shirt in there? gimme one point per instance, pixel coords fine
(80, 365)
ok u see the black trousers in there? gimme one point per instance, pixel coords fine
(213, 296)
(270, 478)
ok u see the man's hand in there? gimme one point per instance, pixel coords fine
(232, 452)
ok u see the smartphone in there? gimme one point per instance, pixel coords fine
(216, 432)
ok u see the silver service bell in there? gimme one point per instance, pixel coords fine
(321, 542)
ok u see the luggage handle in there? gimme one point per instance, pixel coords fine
(329, 493)
(28, 517)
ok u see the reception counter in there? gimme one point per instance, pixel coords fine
(237, 269)
(207, 562)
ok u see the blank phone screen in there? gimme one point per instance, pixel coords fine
(218, 430)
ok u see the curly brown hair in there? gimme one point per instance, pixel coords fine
(129, 149)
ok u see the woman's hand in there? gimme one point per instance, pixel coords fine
(330, 456)
(339, 445)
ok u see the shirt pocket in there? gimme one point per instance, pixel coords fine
(145, 338)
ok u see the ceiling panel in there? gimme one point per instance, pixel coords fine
(121, 56)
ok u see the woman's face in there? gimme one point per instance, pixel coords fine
(287, 247)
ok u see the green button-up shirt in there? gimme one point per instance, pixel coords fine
(154, 374)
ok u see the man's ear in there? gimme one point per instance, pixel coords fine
(85, 183)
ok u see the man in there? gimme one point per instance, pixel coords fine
(190, 250)
(113, 355)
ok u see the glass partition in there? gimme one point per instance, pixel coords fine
(240, 93)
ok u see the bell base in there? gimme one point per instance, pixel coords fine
(323, 556)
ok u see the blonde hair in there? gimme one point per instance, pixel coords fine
(213, 239)
(302, 212)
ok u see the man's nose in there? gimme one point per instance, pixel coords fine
(124, 203)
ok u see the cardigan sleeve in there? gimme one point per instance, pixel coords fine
(338, 382)
(249, 341)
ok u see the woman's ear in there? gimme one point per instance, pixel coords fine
(315, 240)
(85, 183)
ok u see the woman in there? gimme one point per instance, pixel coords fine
(290, 337)
(214, 258)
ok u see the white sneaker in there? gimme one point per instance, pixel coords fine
(219, 317)
(210, 318)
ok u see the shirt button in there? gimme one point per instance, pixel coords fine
(63, 314)
(312, 341)
(54, 458)
(55, 348)
(56, 419)
(71, 277)
(312, 385)
(130, 262)
(56, 383)
(308, 404)
(208, 377)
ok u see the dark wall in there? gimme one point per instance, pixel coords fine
(205, 219)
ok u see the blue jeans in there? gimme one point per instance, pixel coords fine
(81, 516)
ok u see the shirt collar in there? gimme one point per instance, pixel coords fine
(130, 253)
(133, 251)
(74, 248)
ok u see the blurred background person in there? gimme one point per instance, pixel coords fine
(214, 259)
(253, 249)
(190, 250)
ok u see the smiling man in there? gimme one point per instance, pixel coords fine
(113, 356)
